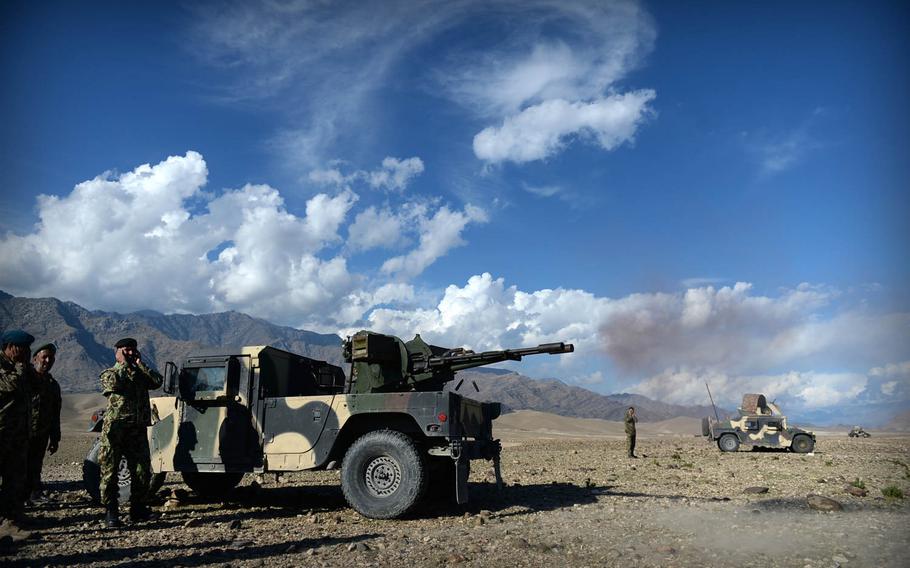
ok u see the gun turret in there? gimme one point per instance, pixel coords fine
(385, 363)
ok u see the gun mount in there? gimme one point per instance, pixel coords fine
(385, 363)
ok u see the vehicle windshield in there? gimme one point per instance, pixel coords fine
(203, 380)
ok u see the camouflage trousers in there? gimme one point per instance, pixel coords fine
(120, 440)
(37, 447)
(13, 451)
(630, 442)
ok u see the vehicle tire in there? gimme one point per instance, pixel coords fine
(211, 484)
(91, 477)
(728, 443)
(802, 444)
(705, 427)
(383, 475)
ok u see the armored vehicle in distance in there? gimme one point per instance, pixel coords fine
(388, 425)
(760, 424)
(858, 432)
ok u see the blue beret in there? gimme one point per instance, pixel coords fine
(49, 346)
(17, 337)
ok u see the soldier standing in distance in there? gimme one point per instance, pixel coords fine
(14, 418)
(630, 421)
(124, 434)
(44, 423)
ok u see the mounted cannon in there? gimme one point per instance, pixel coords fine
(385, 363)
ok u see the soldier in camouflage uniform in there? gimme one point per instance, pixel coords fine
(44, 431)
(630, 421)
(126, 386)
(14, 415)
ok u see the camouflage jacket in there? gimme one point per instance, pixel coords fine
(46, 402)
(14, 399)
(127, 392)
(630, 423)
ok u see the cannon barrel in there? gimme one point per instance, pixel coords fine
(466, 360)
(385, 363)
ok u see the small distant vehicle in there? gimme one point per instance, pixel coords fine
(760, 424)
(858, 432)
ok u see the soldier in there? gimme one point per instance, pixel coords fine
(630, 421)
(14, 417)
(124, 433)
(44, 431)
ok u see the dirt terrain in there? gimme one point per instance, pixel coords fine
(569, 501)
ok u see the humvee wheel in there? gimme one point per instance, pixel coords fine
(213, 484)
(383, 475)
(91, 477)
(728, 443)
(802, 444)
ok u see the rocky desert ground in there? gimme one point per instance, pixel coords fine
(572, 499)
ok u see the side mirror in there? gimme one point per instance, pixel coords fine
(170, 378)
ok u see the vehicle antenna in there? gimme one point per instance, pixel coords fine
(712, 401)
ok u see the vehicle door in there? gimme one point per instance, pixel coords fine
(297, 409)
(770, 427)
(216, 427)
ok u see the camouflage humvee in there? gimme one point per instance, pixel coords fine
(858, 432)
(759, 424)
(389, 425)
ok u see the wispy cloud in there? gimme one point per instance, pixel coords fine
(698, 282)
(782, 151)
(322, 65)
(543, 190)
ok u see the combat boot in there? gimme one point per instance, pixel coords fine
(139, 512)
(112, 517)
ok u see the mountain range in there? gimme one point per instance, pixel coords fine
(85, 338)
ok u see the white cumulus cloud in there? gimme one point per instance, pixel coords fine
(438, 235)
(394, 175)
(152, 238)
(543, 130)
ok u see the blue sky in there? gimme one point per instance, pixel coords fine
(687, 191)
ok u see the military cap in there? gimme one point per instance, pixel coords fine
(17, 337)
(48, 346)
(126, 342)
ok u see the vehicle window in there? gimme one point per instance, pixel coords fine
(203, 379)
(751, 425)
(773, 424)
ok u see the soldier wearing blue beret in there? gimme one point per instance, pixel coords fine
(44, 426)
(14, 418)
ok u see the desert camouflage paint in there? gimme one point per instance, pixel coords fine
(762, 424)
(232, 428)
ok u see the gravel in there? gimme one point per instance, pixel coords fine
(566, 502)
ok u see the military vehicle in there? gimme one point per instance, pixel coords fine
(858, 432)
(759, 424)
(389, 425)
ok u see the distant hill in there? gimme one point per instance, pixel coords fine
(85, 339)
(517, 392)
(900, 423)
